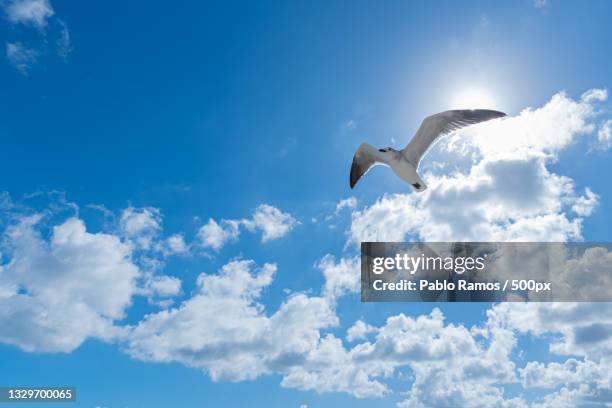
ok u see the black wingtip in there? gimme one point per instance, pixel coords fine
(352, 180)
(354, 177)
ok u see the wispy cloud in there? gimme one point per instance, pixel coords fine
(40, 15)
(64, 44)
(21, 57)
(29, 12)
(604, 134)
(540, 3)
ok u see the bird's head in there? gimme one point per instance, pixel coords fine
(389, 153)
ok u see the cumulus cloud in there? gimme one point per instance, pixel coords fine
(159, 289)
(165, 285)
(215, 236)
(136, 221)
(454, 365)
(579, 330)
(585, 204)
(272, 222)
(140, 225)
(61, 284)
(142, 229)
(359, 331)
(21, 57)
(508, 193)
(571, 372)
(340, 277)
(331, 368)
(224, 330)
(176, 244)
(54, 294)
(29, 12)
(584, 329)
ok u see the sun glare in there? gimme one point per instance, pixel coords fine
(473, 98)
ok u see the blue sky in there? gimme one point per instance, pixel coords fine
(144, 144)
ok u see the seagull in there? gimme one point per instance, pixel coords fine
(405, 162)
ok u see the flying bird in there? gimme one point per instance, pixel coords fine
(405, 162)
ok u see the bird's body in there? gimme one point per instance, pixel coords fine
(405, 169)
(407, 172)
(405, 162)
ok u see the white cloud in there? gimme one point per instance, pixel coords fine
(341, 277)
(583, 329)
(64, 44)
(140, 225)
(347, 203)
(142, 229)
(223, 329)
(163, 286)
(545, 130)
(582, 395)
(574, 329)
(571, 372)
(55, 294)
(30, 12)
(215, 236)
(21, 57)
(272, 222)
(595, 95)
(451, 366)
(604, 134)
(61, 284)
(331, 368)
(359, 331)
(138, 221)
(350, 202)
(585, 204)
(38, 14)
(508, 193)
(176, 244)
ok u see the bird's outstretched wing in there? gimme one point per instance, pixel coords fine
(442, 123)
(365, 157)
